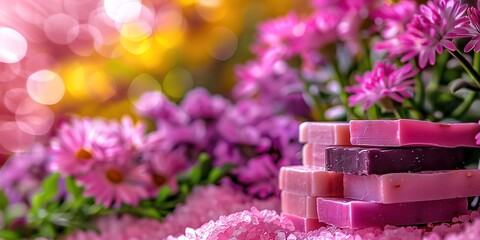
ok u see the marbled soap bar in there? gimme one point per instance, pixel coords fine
(413, 187)
(407, 132)
(311, 181)
(325, 133)
(302, 206)
(313, 154)
(346, 213)
(303, 224)
(366, 161)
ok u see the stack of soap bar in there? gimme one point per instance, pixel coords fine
(376, 173)
(386, 181)
(406, 132)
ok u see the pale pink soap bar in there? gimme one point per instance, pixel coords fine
(347, 213)
(407, 132)
(413, 187)
(311, 181)
(302, 206)
(303, 224)
(325, 133)
(313, 154)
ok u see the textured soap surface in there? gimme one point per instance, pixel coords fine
(311, 181)
(407, 132)
(346, 213)
(303, 224)
(366, 161)
(413, 187)
(313, 154)
(325, 133)
(302, 206)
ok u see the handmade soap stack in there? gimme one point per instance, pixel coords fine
(302, 185)
(395, 172)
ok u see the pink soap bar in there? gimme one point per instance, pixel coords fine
(302, 206)
(303, 224)
(311, 181)
(406, 132)
(413, 187)
(347, 213)
(325, 133)
(313, 154)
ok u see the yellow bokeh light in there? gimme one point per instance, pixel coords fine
(87, 82)
(136, 47)
(177, 82)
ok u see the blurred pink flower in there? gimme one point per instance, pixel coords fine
(80, 143)
(477, 137)
(385, 80)
(117, 181)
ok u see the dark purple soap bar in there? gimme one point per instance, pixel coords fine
(366, 161)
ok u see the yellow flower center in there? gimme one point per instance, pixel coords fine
(83, 154)
(114, 176)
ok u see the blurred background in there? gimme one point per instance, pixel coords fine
(95, 58)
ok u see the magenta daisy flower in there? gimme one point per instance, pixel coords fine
(132, 134)
(472, 29)
(79, 143)
(384, 81)
(432, 30)
(116, 182)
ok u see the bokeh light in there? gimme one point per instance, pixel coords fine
(45, 87)
(177, 82)
(122, 11)
(13, 45)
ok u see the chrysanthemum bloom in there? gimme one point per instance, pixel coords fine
(132, 135)
(80, 143)
(432, 30)
(384, 81)
(116, 181)
(472, 29)
(157, 107)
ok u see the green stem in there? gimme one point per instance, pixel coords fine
(467, 66)
(476, 62)
(317, 105)
(420, 89)
(343, 94)
(367, 58)
(466, 104)
(373, 113)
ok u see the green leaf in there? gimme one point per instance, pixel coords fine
(72, 187)
(3, 201)
(162, 194)
(50, 187)
(47, 193)
(195, 175)
(9, 234)
(148, 212)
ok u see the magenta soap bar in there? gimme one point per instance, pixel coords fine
(413, 187)
(407, 132)
(303, 224)
(302, 206)
(347, 213)
(313, 154)
(366, 161)
(311, 181)
(325, 133)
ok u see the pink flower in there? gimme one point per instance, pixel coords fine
(472, 29)
(116, 181)
(131, 134)
(384, 81)
(432, 31)
(80, 143)
(478, 136)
